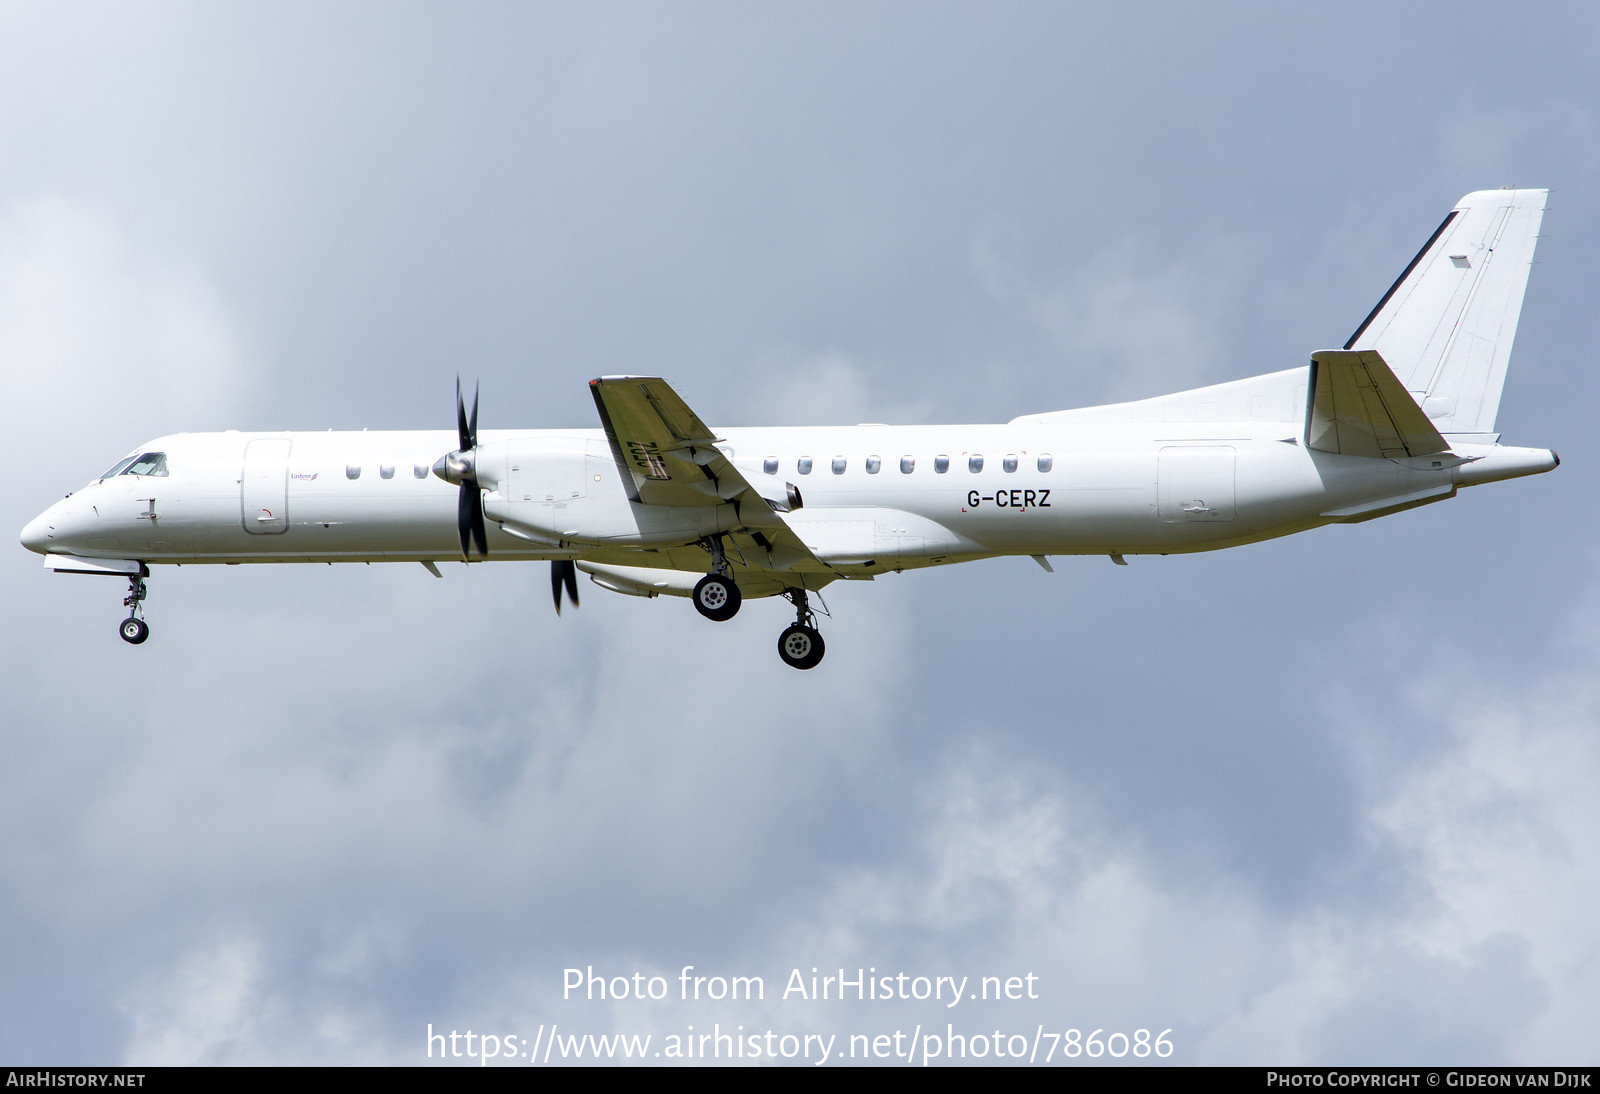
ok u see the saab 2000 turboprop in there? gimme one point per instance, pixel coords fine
(656, 501)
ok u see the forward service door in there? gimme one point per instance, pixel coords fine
(264, 486)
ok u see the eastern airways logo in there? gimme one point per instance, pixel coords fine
(303, 476)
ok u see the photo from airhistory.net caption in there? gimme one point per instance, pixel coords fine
(947, 1024)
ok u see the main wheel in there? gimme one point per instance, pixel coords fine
(134, 631)
(801, 647)
(717, 597)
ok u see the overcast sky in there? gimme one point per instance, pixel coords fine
(1328, 799)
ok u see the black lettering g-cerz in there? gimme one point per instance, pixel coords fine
(1011, 499)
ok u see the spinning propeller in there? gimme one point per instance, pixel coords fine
(461, 466)
(563, 573)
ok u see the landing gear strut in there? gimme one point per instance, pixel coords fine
(800, 646)
(716, 596)
(134, 629)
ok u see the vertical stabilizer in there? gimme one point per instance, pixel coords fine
(1445, 327)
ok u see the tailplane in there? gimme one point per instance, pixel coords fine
(1445, 327)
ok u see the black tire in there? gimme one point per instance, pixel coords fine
(134, 631)
(801, 647)
(717, 598)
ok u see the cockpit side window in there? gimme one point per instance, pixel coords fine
(149, 463)
(118, 468)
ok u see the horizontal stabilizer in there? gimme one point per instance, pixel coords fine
(1359, 408)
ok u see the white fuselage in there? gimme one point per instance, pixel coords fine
(1195, 471)
(657, 502)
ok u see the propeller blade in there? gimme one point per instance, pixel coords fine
(464, 433)
(569, 571)
(464, 517)
(461, 466)
(469, 519)
(480, 534)
(563, 574)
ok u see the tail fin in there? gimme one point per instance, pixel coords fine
(1445, 326)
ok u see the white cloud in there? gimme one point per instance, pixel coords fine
(219, 1003)
(1153, 325)
(1504, 829)
(200, 1009)
(1488, 954)
(99, 338)
(826, 388)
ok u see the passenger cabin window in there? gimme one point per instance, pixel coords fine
(1046, 461)
(803, 465)
(770, 465)
(838, 465)
(149, 463)
(975, 464)
(908, 464)
(1009, 463)
(386, 471)
(874, 465)
(353, 471)
(420, 471)
(941, 464)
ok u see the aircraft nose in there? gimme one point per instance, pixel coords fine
(36, 536)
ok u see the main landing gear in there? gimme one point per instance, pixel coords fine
(716, 596)
(800, 646)
(134, 629)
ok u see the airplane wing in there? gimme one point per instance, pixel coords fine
(668, 456)
(1359, 408)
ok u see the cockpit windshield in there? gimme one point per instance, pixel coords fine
(118, 468)
(145, 463)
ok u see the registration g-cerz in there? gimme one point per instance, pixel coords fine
(1010, 499)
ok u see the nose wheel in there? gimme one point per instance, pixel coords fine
(800, 645)
(134, 629)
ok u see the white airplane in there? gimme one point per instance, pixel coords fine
(656, 501)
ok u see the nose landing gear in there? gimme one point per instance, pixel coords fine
(800, 645)
(134, 629)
